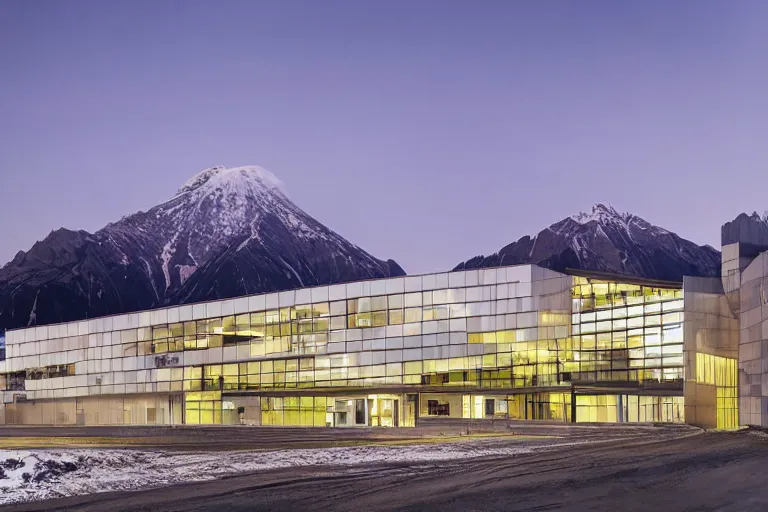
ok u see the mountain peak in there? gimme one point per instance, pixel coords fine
(606, 240)
(601, 212)
(227, 232)
(243, 177)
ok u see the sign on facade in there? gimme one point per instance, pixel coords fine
(163, 361)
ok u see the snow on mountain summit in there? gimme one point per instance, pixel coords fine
(221, 209)
(600, 213)
(247, 178)
(213, 208)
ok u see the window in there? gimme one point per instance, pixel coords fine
(435, 408)
(15, 381)
(395, 316)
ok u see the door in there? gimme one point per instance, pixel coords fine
(410, 410)
(396, 414)
(79, 412)
(386, 413)
(360, 418)
(490, 407)
(372, 418)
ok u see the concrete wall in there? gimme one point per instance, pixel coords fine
(710, 328)
(744, 272)
(753, 343)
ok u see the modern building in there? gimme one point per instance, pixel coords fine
(745, 282)
(519, 342)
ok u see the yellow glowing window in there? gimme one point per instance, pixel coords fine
(258, 319)
(395, 316)
(489, 337)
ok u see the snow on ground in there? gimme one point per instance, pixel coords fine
(44, 474)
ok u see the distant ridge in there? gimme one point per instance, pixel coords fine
(608, 241)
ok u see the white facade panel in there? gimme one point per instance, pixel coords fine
(116, 355)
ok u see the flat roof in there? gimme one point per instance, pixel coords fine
(623, 278)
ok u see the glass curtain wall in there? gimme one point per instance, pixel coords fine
(626, 332)
(721, 372)
(297, 340)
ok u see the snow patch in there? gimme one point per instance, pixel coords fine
(214, 176)
(165, 257)
(600, 213)
(148, 267)
(293, 270)
(186, 271)
(576, 245)
(47, 474)
(33, 313)
(254, 233)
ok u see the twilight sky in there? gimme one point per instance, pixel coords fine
(424, 131)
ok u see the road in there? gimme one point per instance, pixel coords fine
(687, 471)
(224, 438)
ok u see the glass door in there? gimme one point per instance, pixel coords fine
(410, 410)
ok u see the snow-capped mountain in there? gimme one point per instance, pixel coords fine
(226, 232)
(608, 241)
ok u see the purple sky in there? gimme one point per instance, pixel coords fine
(424, 131)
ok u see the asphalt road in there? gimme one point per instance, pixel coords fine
(656, 472)
(223, 438)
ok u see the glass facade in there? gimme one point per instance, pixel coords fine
(514, 342)
(626, 332)
(721, 372)
(381, 339)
